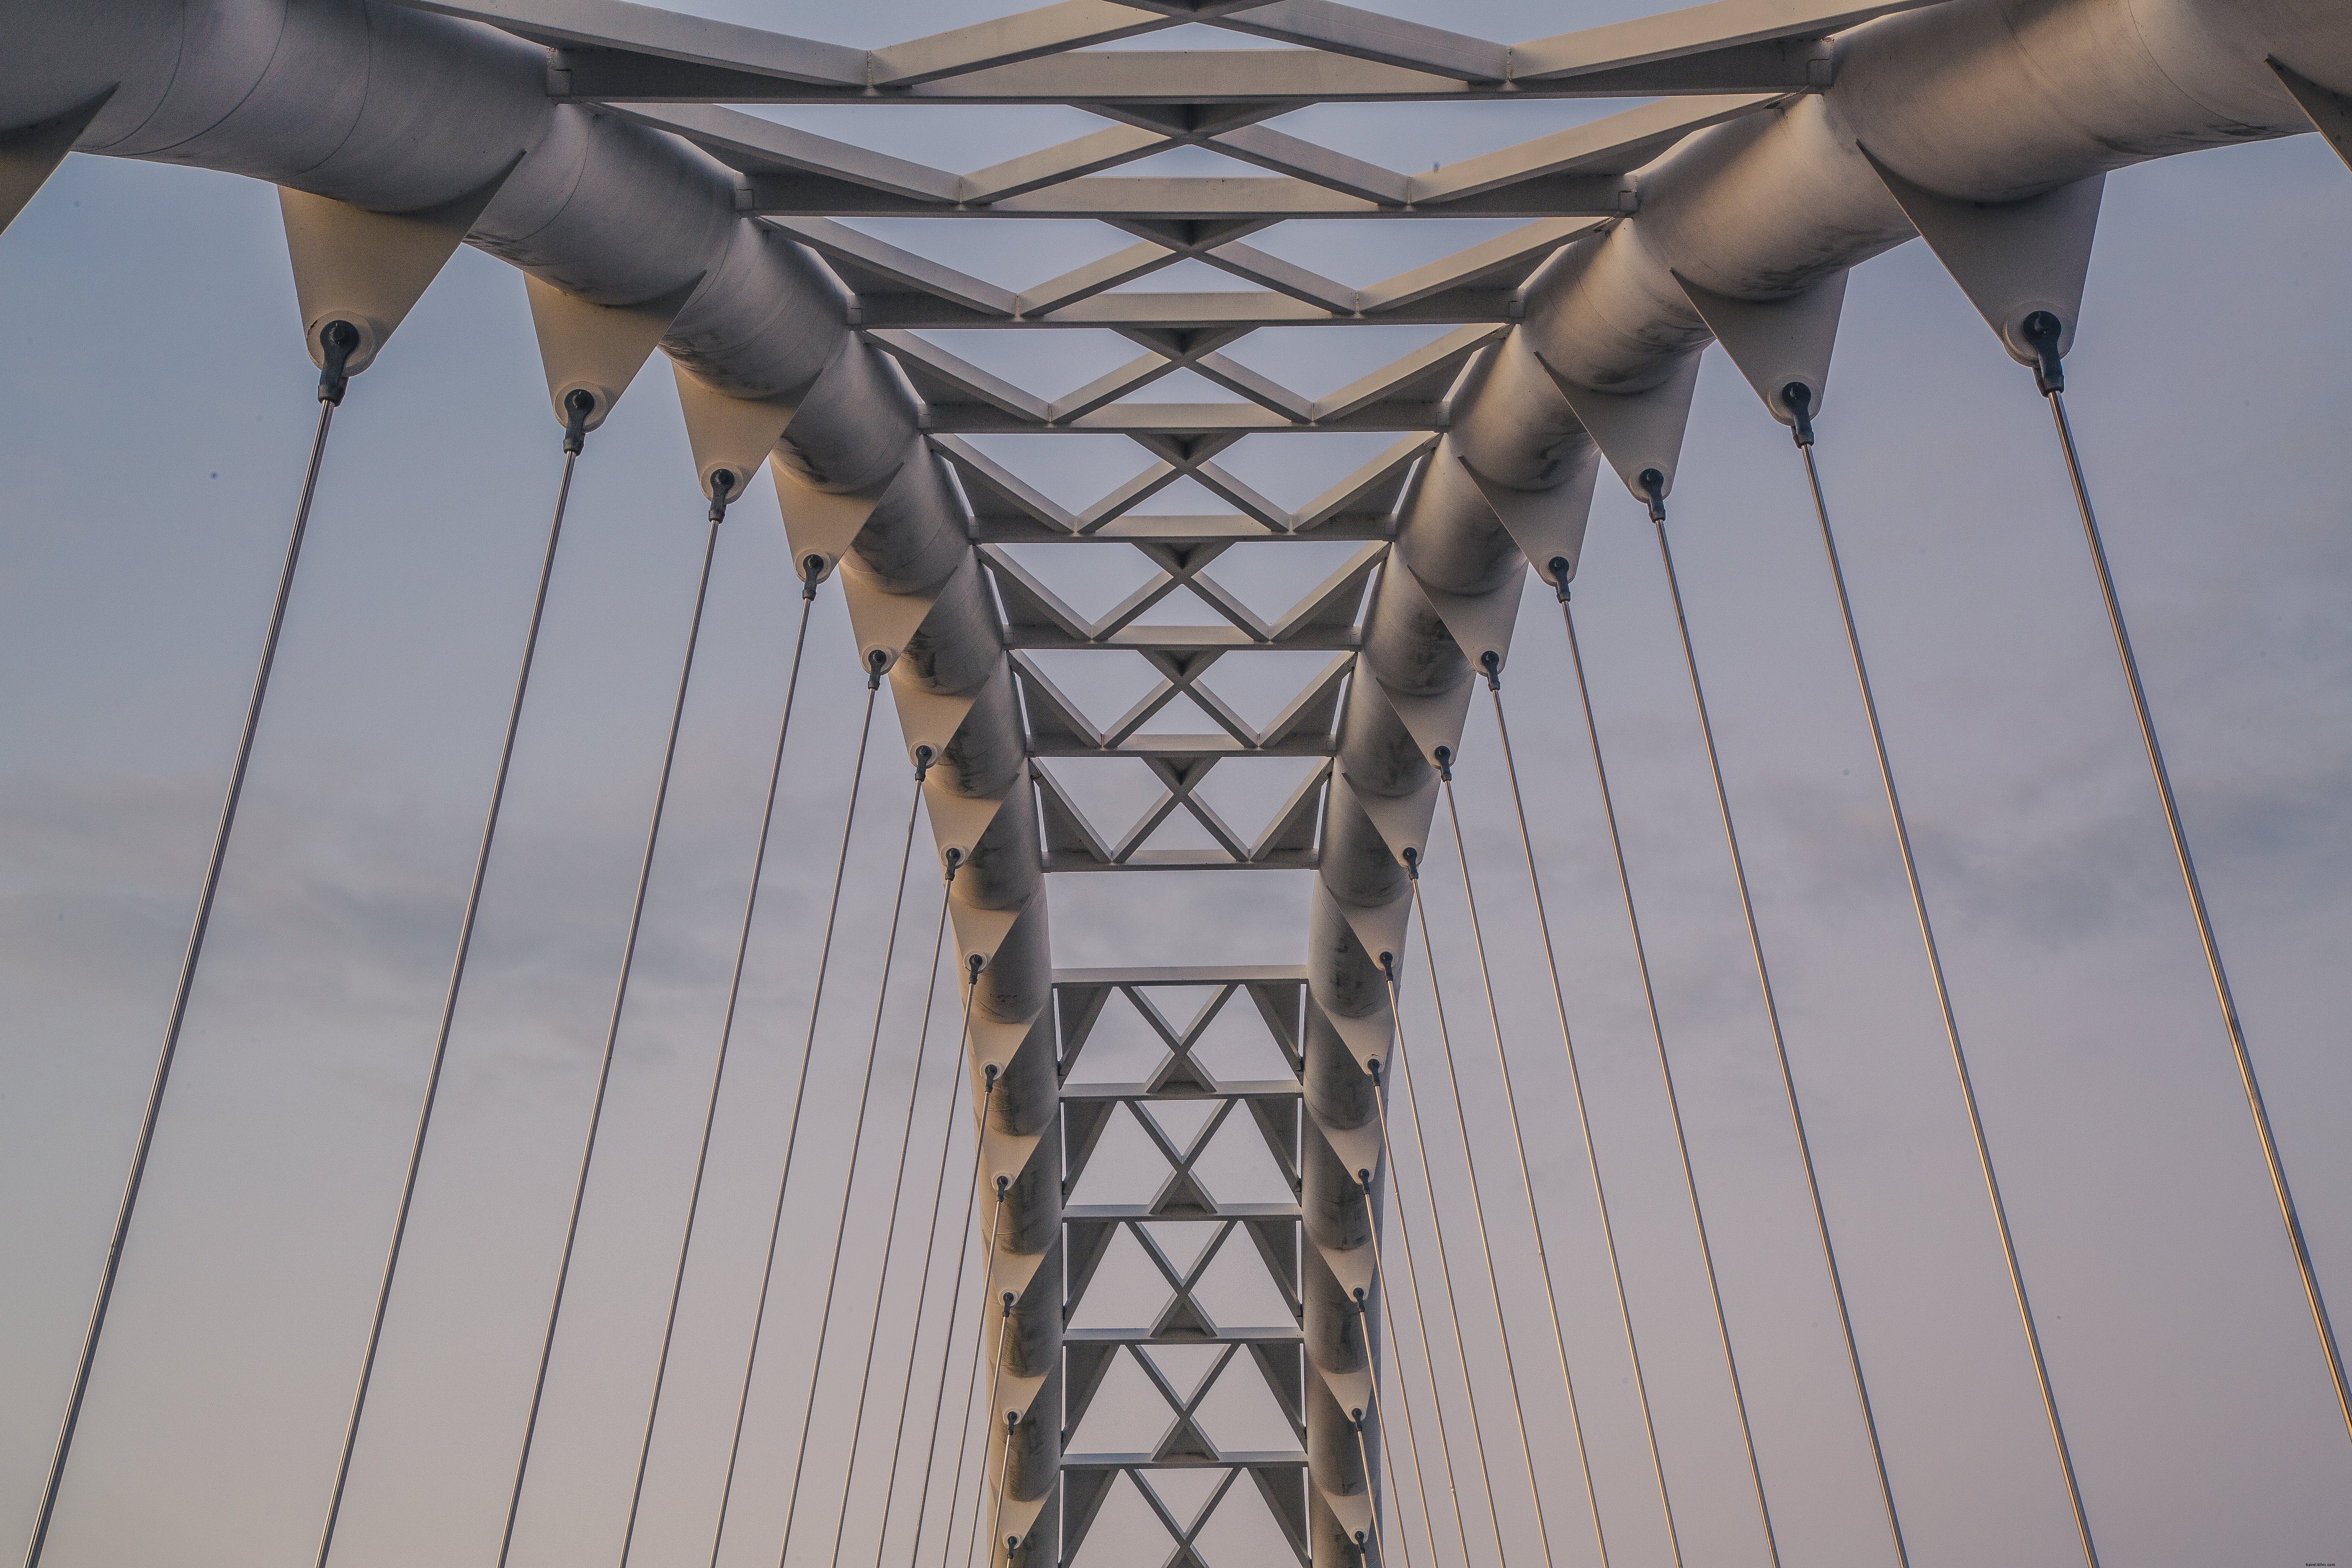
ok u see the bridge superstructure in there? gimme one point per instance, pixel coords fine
(598, 146)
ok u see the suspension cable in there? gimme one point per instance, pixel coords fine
(922, 1291)
(971, 1384)
(1486, 1247)
(577, 407)
(1412, 1278)
(812, 571)
(1444, 1266)
(2054, 387)
(722, 484)
(792, 1132)
(856, 1143)
(1404, 1386)
(1561, 567)
(1012, 1425)
(1494, 670)
(1652, 481)
(889, 1240)
(337, 339)
(1798, 399)
(1378, 1542)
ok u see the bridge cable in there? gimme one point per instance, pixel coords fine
(1364, 1459)
(723, 487)
(1655, 482)
(337, 339)
(972, 1387)
(1444, 1267)
(2043, 330)
(923, 755)
(1798, 399)
(922, 1292)
(1412, 1278)
(1404, 1386)
(891, 1235)
(1486, 1247)
(1560, 568)
(812, 573)
(800, 1098)
(1519, 1148)
(1012, 1425)
(1493, 664)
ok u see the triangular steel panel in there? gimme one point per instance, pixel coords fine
(1639, 431)
(2330, 113)
(29, 154)
(596, 349)
(2013, 259)
(369, 267)
(1776, 343)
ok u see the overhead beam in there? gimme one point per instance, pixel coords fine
(1260, 81)
(651, 33)
(1181, 198)
(1695, 30)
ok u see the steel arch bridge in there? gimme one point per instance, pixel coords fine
(596, 145)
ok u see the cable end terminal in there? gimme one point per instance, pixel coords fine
(2043, 332)
(1492, 663)
(1560, 568)
(578, 403)
(723, 487)
(338, 341)
(812, 573)
(1653, 485)
(1798, 399)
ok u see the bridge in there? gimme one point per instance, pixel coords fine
(1202, 1263)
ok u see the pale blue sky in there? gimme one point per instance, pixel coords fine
(156, 409)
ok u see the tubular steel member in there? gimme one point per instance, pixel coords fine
(428, 110)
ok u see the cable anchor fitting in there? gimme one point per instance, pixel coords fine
(953, 858)
(1653, 485)
(1561, 567)
(338, 341)
(1445, 755)
(722, 486)
(2044, 332)
(1412, 873)
(924, 758)
(1492, 663)
(812, 573)
(578, 403)
(1798, 399)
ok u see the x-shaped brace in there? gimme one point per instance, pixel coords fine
(1181, 566)
(1181, 1162)
(1183, 1308)
(1184, 457)
(1185, 1553)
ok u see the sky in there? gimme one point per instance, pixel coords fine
(158, 406)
